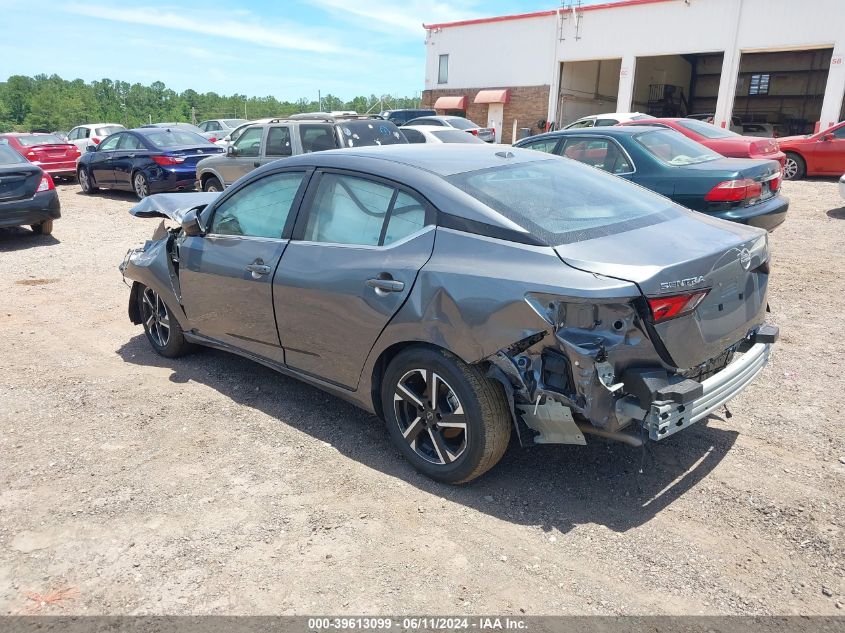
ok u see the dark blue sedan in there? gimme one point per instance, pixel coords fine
(738, 189)
(144, 160)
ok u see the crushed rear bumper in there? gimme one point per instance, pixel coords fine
(663, 417)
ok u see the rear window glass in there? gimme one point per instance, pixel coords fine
(707, 130)
(673, 148)
(462, 124)
(30, 140)
(562, 201)
(370, 132)
(175, 138)
(455, 136)
(108, 130)
(8, 155)
(234, 122)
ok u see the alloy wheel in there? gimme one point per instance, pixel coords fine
(790, 169)
(140, 185)
(430, 416)
(83, 180)
(156, 317)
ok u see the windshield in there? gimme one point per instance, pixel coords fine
(707, 130)
(233, 122)
(561, 201)
(673, 148)
(455, 136)
(370, 132)
(108, 130)
(461, 124)
(175, 138)
(9, 156)
(31, 140)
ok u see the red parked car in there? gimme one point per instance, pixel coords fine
(48, 151)
(722, 141)
(821, 154)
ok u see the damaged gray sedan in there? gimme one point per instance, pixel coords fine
(463, 294)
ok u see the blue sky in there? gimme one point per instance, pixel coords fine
(285, 48)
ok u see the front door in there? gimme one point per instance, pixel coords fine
(829, 155)
(226, 275)
(358, 247)
(246, 157)
(129, 148)
(100, 165)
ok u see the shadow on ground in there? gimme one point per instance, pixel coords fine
(18, 238)
(837, 214)
(110, 194)
(548, 486)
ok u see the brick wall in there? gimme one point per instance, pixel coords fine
(528, 104)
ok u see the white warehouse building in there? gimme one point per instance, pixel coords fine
(773, 62)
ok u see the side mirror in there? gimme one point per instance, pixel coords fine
(90, 148)
(231, 151)
(191, 224)
(828, 137)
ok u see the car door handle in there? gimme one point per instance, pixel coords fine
(386, 285)
(258, 270)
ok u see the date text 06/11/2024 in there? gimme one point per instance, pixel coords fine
(479, 623)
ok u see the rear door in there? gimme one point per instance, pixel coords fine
(100, 165)
(358, 245)
(226, 275)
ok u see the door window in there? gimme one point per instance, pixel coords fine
(580, 124)
(547, 145)
(260, 209)
(413, 136)
(351, 210)
(74, 134)
(839, 132)
(110, 143)
(278, 142)
(249, 143)
(129, 142)
(599, 152)
(317, 137)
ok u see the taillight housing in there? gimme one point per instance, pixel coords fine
(212, 140)
(95, 140)
(169, 160)
(671, 307)
(31, 154)
(735, 191)
(46, 183)
(774, 183)
(473, 132)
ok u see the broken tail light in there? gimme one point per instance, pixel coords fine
(735, 191)
(46, 184)
(665, 308)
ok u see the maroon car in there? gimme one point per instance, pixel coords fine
(48, 151)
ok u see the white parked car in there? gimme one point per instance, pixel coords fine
(604, 120)
(233, 134)
(90, 134)
(842, 186)
(217, 129)
(437, 134)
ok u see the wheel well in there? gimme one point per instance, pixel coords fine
(134, 309)
(381, 364)
(204, 177)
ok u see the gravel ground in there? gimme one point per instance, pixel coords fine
(133, 484)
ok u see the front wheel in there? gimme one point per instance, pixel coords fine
(162, 329)
(212, 184)
(141, 185)
(794, 168)
(446, 417)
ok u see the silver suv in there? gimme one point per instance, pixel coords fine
(263, 143)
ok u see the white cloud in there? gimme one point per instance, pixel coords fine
(386, 16)
(287, 36)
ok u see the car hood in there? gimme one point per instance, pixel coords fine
(173, 206)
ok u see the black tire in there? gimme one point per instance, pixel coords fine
(212, 184)
(86, 182)
(466, 445)
(44, 228)
(795, 167)
(140, 185)
(163, 331)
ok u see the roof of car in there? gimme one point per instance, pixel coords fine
(608, 130)
(441, 159)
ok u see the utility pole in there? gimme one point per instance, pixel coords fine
(319, 101)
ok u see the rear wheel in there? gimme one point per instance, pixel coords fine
(163, 331)
(794, 168)
(446, 417)
(85, 182)
(44, 228)
(140, 184)
(212, 184)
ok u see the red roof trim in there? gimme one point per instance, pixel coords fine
(541, 14)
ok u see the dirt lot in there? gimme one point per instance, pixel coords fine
(132, 484)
